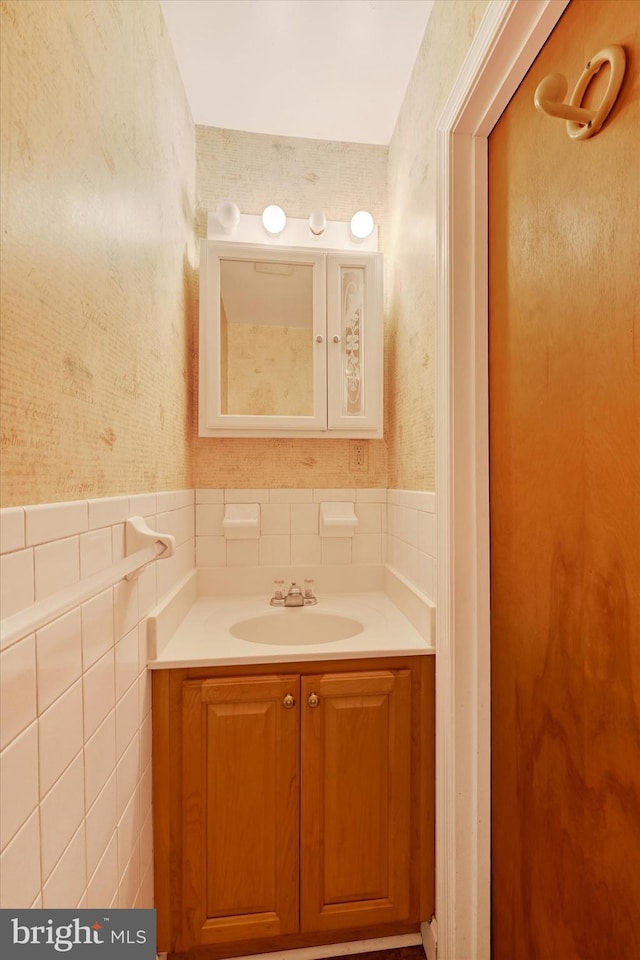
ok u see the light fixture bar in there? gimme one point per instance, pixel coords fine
(296, 233)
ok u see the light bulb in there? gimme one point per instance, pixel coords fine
(228, 215)
(274, 219)
(361, 225)
(318, 222)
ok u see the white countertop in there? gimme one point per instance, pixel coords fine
(203, 638)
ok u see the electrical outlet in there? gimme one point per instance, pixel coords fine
(359, 456)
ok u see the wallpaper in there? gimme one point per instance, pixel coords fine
(99, 290)
(410, 246)
(98, 189)
(300, 175)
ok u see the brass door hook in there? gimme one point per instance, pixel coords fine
(582, 123)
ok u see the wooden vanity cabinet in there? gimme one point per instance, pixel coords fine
(240, 772)
(356, 799)
(292, 806)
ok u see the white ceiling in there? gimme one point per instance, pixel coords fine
(325, 69)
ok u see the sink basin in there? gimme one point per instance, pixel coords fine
(296, 626)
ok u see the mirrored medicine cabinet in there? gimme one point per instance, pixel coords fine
(290, 342)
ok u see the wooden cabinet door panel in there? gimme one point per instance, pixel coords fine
(355, 799)
(240, 809)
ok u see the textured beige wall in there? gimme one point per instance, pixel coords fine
(98, 191)
(300, 175)
(410, 246)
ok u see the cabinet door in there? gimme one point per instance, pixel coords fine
(240, 800)
(356, 742)
(262, 340)
(354, 347)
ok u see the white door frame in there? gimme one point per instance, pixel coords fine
(507, 42)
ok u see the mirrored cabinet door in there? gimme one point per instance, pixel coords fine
(266, 338)
(290, 342)
(262, 338)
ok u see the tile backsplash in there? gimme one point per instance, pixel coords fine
(75, 706)
(411, 538)
(289, 528)
(396, 527)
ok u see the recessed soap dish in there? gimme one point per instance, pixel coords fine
(241, 521)
(337, 520)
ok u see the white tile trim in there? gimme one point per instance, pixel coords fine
(416, 499)
(107, 511)
(54, 521)
(12, 529)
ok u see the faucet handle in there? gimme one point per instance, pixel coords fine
(309, 596)
(278, 593)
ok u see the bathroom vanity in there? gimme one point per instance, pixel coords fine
(293, 789)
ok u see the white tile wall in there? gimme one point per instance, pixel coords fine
(75, 699)
(411, 538)
(18, 703)
(396, 527)
(100, 824)
(58, 657)
(17, 588)
(61, 813)
(57, 565)
(305, 549)
(305, 518)
(75, 705)
(18, 764)
(55, 521)
(289, 528)
(20, 865)
(99, 758)
(95, 551)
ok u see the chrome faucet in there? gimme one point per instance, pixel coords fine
(295, 596)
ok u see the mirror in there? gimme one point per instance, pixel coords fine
(286, 335)
(266, 337)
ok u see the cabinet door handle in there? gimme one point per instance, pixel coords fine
(319, 338)
(336, 339)
(288, 703)
(313, 700)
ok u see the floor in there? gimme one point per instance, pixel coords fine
(400, 953)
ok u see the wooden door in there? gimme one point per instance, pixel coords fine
(240, 801)
(356, 787)
(565, 511)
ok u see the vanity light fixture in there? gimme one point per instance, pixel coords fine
(272, 227)
(361, 225)
(274, 219)
(228, 215)
(318, 222)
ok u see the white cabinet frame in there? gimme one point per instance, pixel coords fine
(331, 351)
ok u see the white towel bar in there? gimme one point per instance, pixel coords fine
(137, 534)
